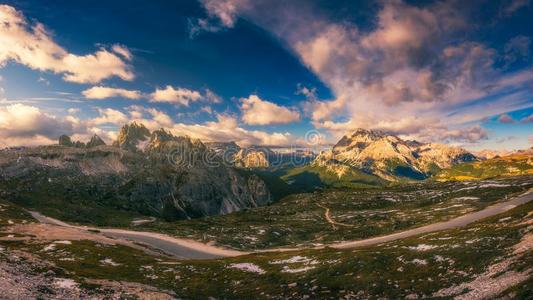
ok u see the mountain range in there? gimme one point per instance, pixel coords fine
(159, 174)
(369, 157)
(152, 173)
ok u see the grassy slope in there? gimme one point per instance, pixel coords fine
(512, 165)
(309, 177)
(392, 270)
(297, 219)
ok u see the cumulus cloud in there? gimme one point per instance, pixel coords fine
(414, 62)
(181, 96)
(506, 119)
(528, 119)
(25, 125)
(424, 129)
(32, 45)
(221, 14)
(256, 111)
(225, 128)
(102, 92)
(73, 111)
(108, 116)
(22, 124)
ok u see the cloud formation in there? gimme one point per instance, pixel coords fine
(256, 111)
(413, 64)
(108, 116)
(22, 124)
(225, 128)
(506, 119)
(181, 96)
(102, 92)
(32, 45)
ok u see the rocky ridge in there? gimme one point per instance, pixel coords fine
(389, 156)
(152, 173)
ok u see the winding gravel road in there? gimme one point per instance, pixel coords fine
(189, 249)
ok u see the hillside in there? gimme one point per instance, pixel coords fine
(41, 261)
(519, 163)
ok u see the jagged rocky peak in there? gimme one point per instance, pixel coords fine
(443, 156)
(161, 136)
(162, 140)
(360, 138)
(389, 156)
(220, 147)
(95, 141)
(64, 140)
(133, 137)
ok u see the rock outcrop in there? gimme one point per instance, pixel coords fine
(95, 142)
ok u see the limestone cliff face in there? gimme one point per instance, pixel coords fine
(251, 158)
(388, 156)
(132, 137)
(170, 176)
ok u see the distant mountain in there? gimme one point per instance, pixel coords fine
(366, 156)
(514, 164)
(489, 154)
(259, 157)
(95, 142)
(149, 173)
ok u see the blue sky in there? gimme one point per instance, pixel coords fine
(269, 72)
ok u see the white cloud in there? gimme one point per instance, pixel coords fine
(226, 128)
(108, 116)
(22, 124)
(178, 95)
(413, 65)
(210, 96)
(101, 92)
(122, 50)
(73, 111)
(256, 111)
(32, 45)
(221, 14)
(528, 119)
(208, 110)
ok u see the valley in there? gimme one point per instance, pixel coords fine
(159, 215)
(299, 220)
(440, 264)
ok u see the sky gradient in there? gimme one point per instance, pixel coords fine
(269, 72)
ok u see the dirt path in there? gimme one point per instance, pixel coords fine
(177, 247)
(450, 224)
(327, 215)
(189, 249)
